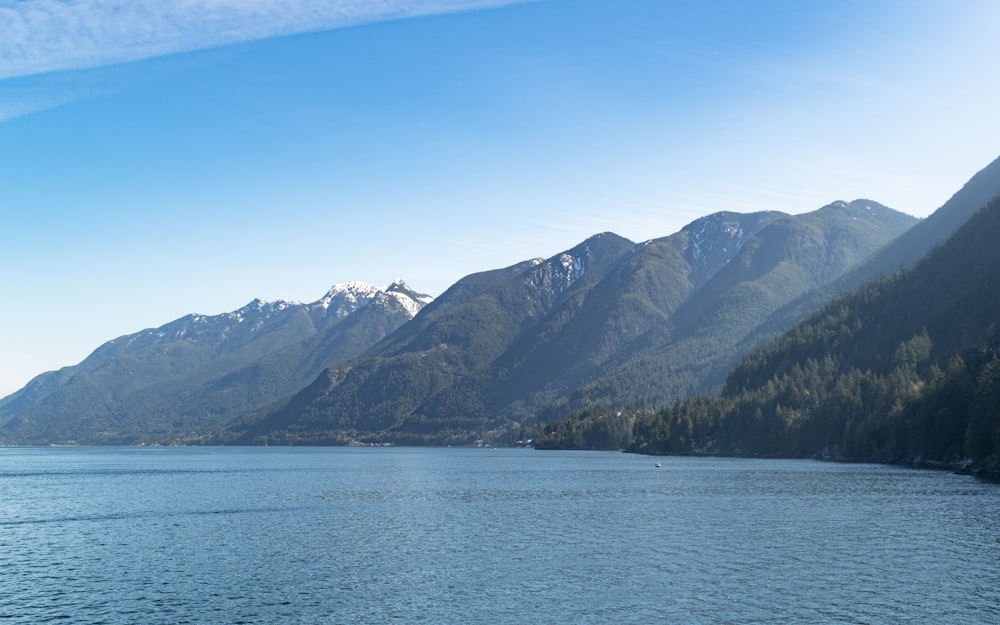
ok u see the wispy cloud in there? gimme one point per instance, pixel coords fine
(39, 36)
(25, 100)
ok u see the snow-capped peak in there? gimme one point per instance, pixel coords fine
(353, 290)
(399, 287)
(346, 297)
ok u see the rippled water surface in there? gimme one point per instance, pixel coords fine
(354, 536)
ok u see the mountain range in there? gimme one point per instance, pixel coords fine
(184, 381)
(609, 322)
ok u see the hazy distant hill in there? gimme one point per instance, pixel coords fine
(608, 321)
(183, 380)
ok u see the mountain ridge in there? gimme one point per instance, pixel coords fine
(175, 375)
(902, 252)
(499, 348)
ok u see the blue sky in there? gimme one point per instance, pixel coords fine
(163, 158)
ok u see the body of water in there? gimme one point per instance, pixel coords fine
(358, 536)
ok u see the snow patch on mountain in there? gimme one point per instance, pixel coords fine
(553, 277)
(410, 300)
(712, 242)
(714, 236)
(346, 297)
(410, 305)
(339, 302)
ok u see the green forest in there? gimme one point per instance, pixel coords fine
(905, 370)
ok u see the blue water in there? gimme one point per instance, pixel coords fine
(355, 536)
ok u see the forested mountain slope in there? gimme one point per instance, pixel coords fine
(904, 369)
(716, 325)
